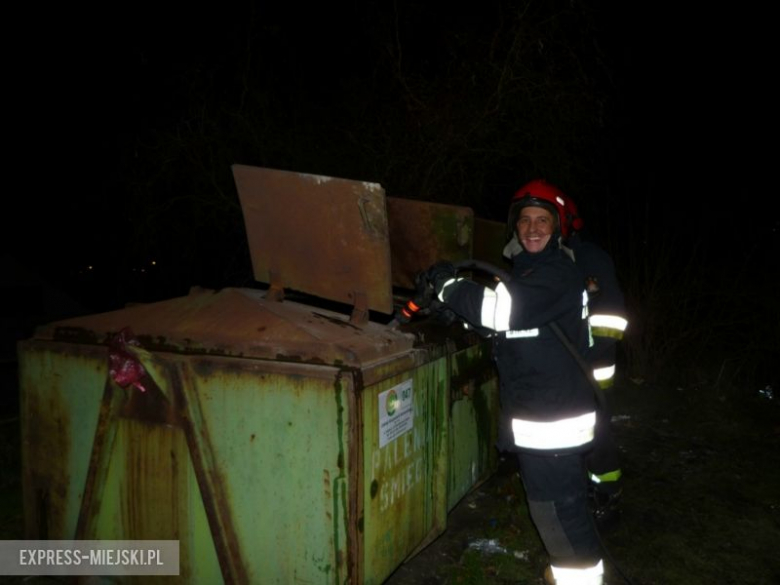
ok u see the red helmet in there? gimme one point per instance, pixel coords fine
(573, 218)
(540, 193)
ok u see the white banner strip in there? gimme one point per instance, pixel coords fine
(89, 557)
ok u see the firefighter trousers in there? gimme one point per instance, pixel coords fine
(556, 487)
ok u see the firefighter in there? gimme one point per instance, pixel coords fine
(548, 407)
(608, 321)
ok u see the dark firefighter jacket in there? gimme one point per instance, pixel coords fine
(546, 401)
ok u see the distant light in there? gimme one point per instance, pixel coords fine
(154, 262)
(89, 267)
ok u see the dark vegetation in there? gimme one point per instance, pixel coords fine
(459, 106)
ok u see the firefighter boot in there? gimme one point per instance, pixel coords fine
(548, 576)
(596, 578)
(604, 500)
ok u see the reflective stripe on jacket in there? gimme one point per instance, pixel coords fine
(542, 386)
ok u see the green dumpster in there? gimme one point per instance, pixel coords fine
(289, 433)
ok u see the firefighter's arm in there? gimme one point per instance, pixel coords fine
(480, 306)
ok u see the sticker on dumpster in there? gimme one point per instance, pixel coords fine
(396, 415)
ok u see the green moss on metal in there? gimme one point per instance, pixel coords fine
(477, 366)
(454, 234)
(484, 420)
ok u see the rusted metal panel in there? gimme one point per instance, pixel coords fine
(405, 439)
(422, 233)
(321, 235)
(240, 322)
(151, 492)
(279, 440)
(473, 389)
(255, 475)
(60, 397)
(240, 444)
(489, 242)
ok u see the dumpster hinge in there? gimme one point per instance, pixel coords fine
(359, 315)
(276, 291)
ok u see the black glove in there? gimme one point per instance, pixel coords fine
(424, 292)
(440, 273)
(422, 299)
(443, 314)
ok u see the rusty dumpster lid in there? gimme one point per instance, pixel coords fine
(319, 235)
(239, 322)
(489, 241)
(422, 232)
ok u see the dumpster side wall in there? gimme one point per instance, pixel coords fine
(151, 492)
(254, 473)
(265, 470)
(473, 391)
(281, 440)
(405, 466)
(60, 395)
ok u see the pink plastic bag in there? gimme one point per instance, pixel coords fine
(123, 367)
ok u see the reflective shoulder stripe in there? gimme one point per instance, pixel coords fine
(559, 434)
(580, 576)
(514, 334)
(608, 321)
(496, 308)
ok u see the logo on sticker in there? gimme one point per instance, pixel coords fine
(391, 405)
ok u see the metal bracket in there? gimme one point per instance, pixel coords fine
(360, 313)
(276, 291)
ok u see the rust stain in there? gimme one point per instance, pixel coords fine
(353, 388)
(343, 220)
(422, 233)
(239, 323)
(150, 406)
(113, 398)
(211, 484)
(43, 440)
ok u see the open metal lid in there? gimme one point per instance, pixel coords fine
(422, 233)
(319, 235)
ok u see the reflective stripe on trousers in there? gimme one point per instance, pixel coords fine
(559, 434)
(608, 322)
(605, 373)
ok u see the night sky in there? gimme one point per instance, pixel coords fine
(127, 118)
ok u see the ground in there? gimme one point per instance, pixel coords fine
(701, 503)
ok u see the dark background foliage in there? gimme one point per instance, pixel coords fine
(653, 116)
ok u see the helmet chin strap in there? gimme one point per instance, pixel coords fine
(512, 248)
(566, 250)
(557, 238)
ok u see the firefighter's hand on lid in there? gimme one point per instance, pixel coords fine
(440, 276)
